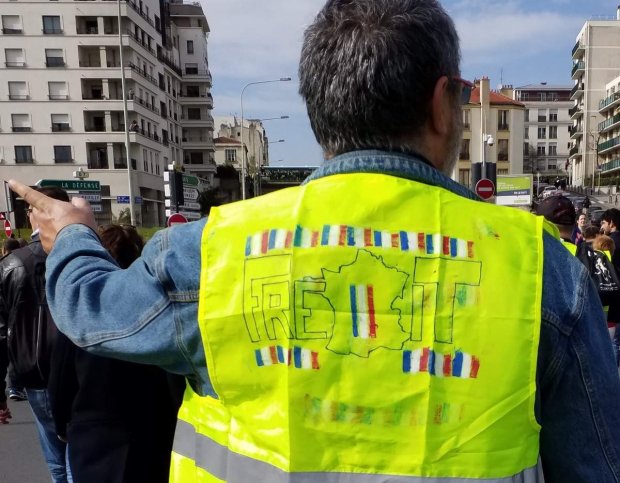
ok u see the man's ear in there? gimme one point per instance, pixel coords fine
(441, 108)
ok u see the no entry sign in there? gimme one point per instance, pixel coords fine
(7, 228)
(176, 218)
(485, 188)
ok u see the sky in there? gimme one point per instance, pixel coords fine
(514, 42)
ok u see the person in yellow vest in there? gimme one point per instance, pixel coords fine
(377, 323)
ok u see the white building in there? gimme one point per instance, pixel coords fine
(255, 142)
(547, 131)
(596, 62)
(61, 102)
(607, 136)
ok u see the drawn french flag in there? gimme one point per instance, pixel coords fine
(363, 311)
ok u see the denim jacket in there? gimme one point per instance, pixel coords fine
(148, 314)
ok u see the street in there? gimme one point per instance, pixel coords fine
(21, 459)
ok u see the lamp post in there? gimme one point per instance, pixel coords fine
(132, 215)
(243, 153)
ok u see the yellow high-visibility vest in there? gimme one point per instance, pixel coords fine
(365, 325)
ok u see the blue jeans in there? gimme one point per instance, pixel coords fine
(54, 451)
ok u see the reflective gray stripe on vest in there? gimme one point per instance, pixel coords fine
(232, 467)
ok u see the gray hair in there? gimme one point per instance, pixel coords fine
(368, 71)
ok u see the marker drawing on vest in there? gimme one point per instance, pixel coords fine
(362, 305)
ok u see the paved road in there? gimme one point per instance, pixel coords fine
(21, 460)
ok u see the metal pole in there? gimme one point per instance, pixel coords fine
(243, 153)
(126, 117)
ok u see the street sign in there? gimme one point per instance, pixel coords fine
(96, 208)
(137, 200)
(485, 188)
(90, 197)
(7, 228)
(514, 190)
(189, 205)
(71, 184)
(122, 200)
(190, 194)
(176, 218)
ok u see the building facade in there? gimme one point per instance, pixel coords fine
(548, 129)
(496, 114)
(255, 142)
(596, 61)
(61, 97)
(608, 130)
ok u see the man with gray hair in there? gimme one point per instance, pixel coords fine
(377, 323)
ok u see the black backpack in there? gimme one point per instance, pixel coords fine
(601, 271)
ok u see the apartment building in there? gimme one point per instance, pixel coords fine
(255, 141)
(607, 136)
(596, 62)
(61, 97)
(497, 114)
(548, 128)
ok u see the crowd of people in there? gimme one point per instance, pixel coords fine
(377, 323)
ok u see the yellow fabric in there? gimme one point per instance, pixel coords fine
(358, 401)
(571, 247)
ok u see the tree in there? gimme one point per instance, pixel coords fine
(207, 200)
(123, 218)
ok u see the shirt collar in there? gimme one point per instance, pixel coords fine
(408, 166)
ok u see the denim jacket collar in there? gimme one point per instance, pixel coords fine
(409, 166)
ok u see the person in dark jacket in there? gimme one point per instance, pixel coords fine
(118, 417)
(31, 335)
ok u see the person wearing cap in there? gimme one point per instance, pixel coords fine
(560, 211)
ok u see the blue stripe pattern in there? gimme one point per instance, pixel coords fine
(248, 246)
(407, 361)
(280, 354)
(325, 235)
(272, 239)
(298, 233)
(404, 241)
(457, 364)
(453, 247)
(431, 362)
(378, 242)
(259, 358)
(354, 309)
(297, 356)
(429, 244)
(350, 236)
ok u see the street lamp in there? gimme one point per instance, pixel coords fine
(269, 119)
(278, 141)
(243, 153)
(126, 117)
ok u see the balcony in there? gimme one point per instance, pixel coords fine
(60, 127)
(573, 151)
(12, 31)
(52, 31)
(143, 73)
(144, 44)
(58, 97)
(575, 131)
(93, 128)
(147, 134)
(82, 30)
(608, 145)
(63, 160)
(609, 102)
(502, 156)
(15, 65)
(143, 103)
(503, 127)
(464, 156)
(612, 165)
(575, 111)
(194, 72)
(24, 160)
(170, 63)
(578, 68)
(576, 91)
(92, 63)
(21, 128)
(141, 12)
(19, 97)
(577, 49)
(54, 62)
(607, 124)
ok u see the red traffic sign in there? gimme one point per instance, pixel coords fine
(485, 188)
(7, 228)
(176, 218)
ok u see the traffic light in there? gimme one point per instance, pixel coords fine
(173, 186)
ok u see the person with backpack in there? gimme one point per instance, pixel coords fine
(31, 334)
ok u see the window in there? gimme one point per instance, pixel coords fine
(502, 171)
(502, 149)
(464, 177)
(466, 114)
(62, 154)
(58, 90)
(464, 153)
(20, 123)
(18, 91)
(11, 24)
(526, 133)
(194, 91)
(193, 113)
(526, 149)
(553, 132)
(542, 115)
(191, 69)
(51, 24)
(553, 115)
(54, 58)
(540, 150)
(230, 155)
(542, 133)
(527, 115)
(190, 46)
(23, 154)
(14, 58)
(553, 149)
(195, 158)
(502, 121)
(60, 123)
